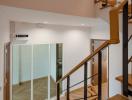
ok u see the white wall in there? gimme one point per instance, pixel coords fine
(115, 61)
(100, 31)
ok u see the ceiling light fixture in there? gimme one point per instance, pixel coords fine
(45, 22)
(82, 24)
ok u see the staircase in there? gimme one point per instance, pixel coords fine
(95, 92)
(120, 78)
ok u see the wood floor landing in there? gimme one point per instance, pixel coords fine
(120, 78)
(118, 97)
(40, 90)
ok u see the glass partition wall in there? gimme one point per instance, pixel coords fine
(21, 72)
(35, 69)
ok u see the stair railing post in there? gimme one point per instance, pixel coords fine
(68, 88)
(85, 81)
(100, 75)
(106, 1)
(131, 66)
(131, 8)
(125, 49)
(58, 91)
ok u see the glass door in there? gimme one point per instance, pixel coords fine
(41, 68)
(21, 72)
(53, 65)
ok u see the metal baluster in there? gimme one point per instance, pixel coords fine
(58, 91)
(131, 67)
(131, 9)
(68, 88)
(106, 1)
(85, 81)
(108, 71)
(129, 91)
(125, 49)
(100, 75)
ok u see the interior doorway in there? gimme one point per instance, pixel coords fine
(95, 43)
(59, 61)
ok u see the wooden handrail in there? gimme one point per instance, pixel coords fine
(130, 38)
(105, 44)
(129, 9)
(114, 22)
(114, 37)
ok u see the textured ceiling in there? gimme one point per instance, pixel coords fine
(83, 8)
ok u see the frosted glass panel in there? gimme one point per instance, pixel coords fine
(40, 71)
(53, 70)
(21, 72)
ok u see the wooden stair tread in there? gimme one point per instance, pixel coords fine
(93, 98)
(129, 9)
(130, 21)
(118, 97)
(120, 78)
(78, 93)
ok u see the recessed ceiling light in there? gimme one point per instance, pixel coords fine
(45, 22)
(82, 24)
